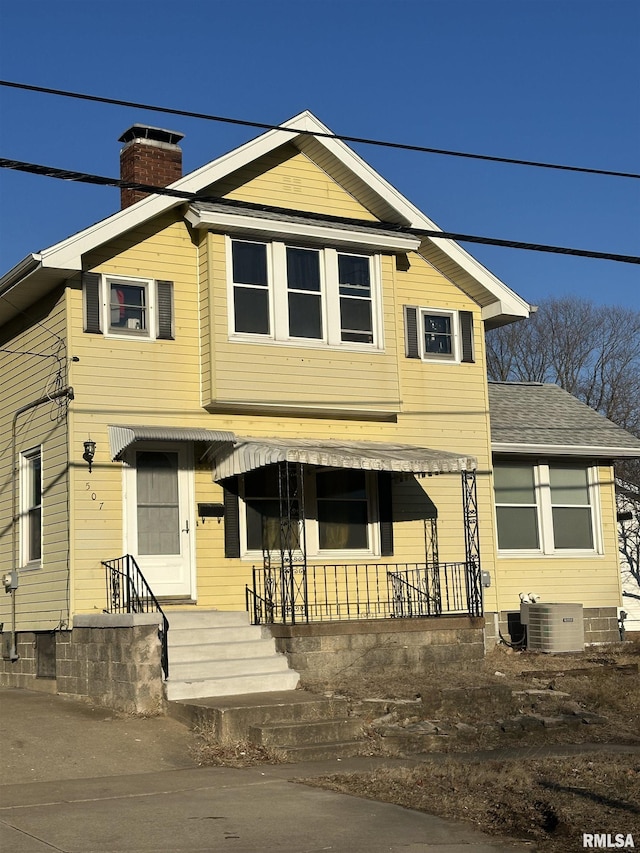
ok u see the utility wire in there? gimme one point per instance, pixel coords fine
(87, 178)
(358, 139)
(28, 352)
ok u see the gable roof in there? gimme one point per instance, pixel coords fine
(42, 270)
(532, 417)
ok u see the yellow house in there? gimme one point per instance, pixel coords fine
(261, 399)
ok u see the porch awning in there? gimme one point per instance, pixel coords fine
(250, 453)
(122, 437)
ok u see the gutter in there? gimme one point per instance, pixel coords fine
(21, 270)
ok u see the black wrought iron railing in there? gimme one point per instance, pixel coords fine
(311, 593)
(129, 592)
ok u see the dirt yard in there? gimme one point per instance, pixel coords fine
(517, 700)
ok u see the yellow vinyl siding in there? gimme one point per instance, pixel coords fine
(121, 381)
(42, 596)
(289, 179)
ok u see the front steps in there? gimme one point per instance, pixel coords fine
(218, 653)
(298, 726)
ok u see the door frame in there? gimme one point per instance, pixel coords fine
(186, 493)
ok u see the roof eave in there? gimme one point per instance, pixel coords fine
(502, 305)
(591, 451)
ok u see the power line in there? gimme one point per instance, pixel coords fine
(84, 177)
(88, 178)
(357, 139)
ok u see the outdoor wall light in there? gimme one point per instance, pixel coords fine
(89, 452)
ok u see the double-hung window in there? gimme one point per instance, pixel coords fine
(304, 293)
(251, 288)
(290, 293)
(356, 315)
(128, 307)
(31, 507)
(434, 334)
(547, 508)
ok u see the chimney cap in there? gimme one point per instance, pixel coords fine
(156, 134)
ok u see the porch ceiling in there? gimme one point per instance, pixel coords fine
(122, 437)
(250, 453)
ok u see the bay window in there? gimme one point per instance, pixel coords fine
(288, 293)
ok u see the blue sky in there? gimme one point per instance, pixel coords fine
(550, 80)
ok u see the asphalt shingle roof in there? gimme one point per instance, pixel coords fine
(544, 415)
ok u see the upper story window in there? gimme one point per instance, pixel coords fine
(434, 334)
(31, 507)
(299, 294)
(439, 335)
(128, 307)
(545, 508)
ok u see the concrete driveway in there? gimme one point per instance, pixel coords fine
(81, 779)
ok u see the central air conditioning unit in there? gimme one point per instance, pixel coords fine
(553, 628)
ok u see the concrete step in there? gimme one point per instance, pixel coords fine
(323, 751)
(189, 670)
(220, 651)
(309, 733)
(230, 717)
(207, 618)
(230, 685)
(196, 636)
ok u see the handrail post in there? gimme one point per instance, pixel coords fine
(123, 569)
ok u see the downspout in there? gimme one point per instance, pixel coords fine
(48, 398)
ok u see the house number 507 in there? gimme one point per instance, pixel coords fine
(94, 496)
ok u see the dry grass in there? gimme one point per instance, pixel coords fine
(207, 752)
(549, 801)
(609, 688)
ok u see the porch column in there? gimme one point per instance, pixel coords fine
(472, 543)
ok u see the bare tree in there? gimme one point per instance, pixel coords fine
(628, 503)
(593, 352)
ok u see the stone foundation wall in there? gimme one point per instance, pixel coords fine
(23, 672)
(332, 650)
(600, 626)
(112, 660)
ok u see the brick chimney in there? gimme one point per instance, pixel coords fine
(151, 155)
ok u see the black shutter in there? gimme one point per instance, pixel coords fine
(385, 509)
(411, 332)
(164, 298)
(466, 330)
(231, 518)
(91, 291)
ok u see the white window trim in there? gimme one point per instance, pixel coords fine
(456, 346)
(25, 505)
(311, 525)
(151, 332)
(329, 293)
(544, 514)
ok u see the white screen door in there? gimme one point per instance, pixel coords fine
(160, 524)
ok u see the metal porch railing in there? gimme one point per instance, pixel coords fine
(311, 593)
(129, 592)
